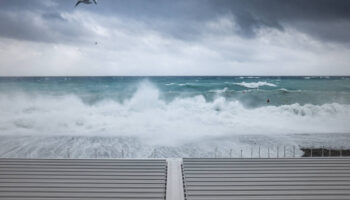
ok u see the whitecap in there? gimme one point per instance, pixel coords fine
(146, 115)
(283, 90)
(153, 122)
(253, 77)
(255, 84)
(220, 91)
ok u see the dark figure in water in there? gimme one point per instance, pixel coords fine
(268, 101)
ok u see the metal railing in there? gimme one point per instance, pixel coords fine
(280, 151)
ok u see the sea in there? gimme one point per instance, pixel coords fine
(170, 116)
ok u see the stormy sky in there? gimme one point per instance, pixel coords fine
(182, 37)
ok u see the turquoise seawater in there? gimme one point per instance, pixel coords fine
(250, 91)
(168, 116)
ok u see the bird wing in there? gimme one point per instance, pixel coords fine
(78, 2)
(95, 2)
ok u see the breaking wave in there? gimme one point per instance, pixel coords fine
(44, 124)
(255, 84)
(145, 115)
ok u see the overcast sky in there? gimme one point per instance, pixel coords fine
(174, 37)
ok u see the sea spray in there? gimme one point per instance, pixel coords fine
(37, 122)
(255, 84)
(146, 115)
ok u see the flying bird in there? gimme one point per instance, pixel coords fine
(85, 1)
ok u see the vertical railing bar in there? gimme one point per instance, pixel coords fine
(293, 151)
(341, 152)
(251, 152)
(311, 152)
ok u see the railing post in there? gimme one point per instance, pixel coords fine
(284, 151)
(251, 152)
(311, 152)
(293, 151)
(322, 151)
(241, 153)
(341, 151)
(259, 152)
(230, 153)
(278, 151)
(268, 152)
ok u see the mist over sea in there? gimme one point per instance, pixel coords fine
(144, 117)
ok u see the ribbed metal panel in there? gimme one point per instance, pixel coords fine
(46, 179)
(267, 179)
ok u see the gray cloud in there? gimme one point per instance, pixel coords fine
(314, 17)
(53, 16)
(183, 37)
(185, 20)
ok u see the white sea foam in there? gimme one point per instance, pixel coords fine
(253, 77)
(255, 84)
(185, 84)
(219, 91)
(147, 126)
(249, 77)
(148, 117)
(283, 90)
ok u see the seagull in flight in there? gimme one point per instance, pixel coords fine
(85, 1)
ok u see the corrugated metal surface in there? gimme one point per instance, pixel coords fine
(289, 179)
(38, 179)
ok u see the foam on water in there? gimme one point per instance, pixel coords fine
(220, 91)
(146, 122)
(255, 84)
(146, 115)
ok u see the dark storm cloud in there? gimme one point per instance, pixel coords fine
(18, 5)
(315, 17)
(39, 21)
(53, 16)
(183, 19)
(46, 27)
(186, 18)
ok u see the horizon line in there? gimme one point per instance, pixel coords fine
(38, 76)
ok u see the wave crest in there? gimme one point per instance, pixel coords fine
(147, 117)
(255, 84)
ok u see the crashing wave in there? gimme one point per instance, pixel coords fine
(220, 91)
(146, 115)
(147, 126)
(255, 84)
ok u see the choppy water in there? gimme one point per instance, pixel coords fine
(111, 117)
